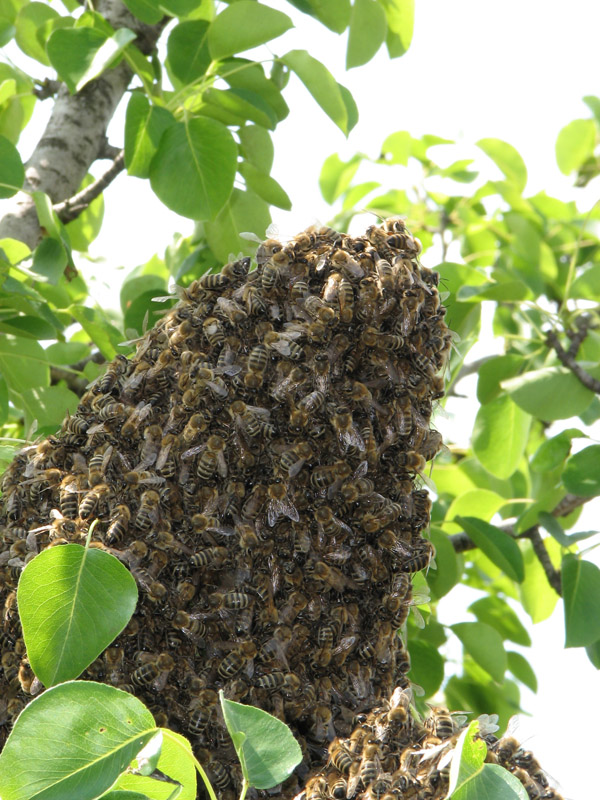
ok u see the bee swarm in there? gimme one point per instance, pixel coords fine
(254, 465)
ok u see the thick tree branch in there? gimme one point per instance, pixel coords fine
(70, 209)
(46, 88)
(462, 542)
(568, 360)
(76, 132)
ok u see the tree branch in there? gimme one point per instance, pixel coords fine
(46, 88)
(70, 209)
(568, 360)
(75, 132)
(462, 541)
(71, 375)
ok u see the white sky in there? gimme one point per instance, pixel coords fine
(515, 71)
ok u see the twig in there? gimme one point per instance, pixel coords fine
(584, 324)
(593, 384)
(462, 541)
(46, 88)
(107, 150)
(71, 208)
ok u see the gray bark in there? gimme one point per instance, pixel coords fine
(76, 132)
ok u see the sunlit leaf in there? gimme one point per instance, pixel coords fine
(243, 25)
(484, 645)
(538, 597)
(194, 167)
(549, 393)
(498, 546)
(400, 16)
(426, 666)
(581, 475)
(522, 670)
(574, 144)
(500, 436)
(496, 612)
(368, 28)
(172, 762)
(505, 156)
(12, 172)
(581, 594)
(265, 745)
(144, 126)
(73, 602)
(321, 84)
(112, 725)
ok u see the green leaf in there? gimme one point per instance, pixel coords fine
(500, 436)
(549, 393)
(484, 644)
(23, 363)
(48, 405)
(334, 14)
(508, 159)
(351, 107)
(593, 653)
(61, 353)
(575, 143)
(73, 601)
(173, 763)
(492, 783)
(145, 10)
(143, 308)
(556, 530)
(75, 739)
(368, 27)
(426, 666)
(95, 325)
(241, 104)
(49, 259)
(243, 25)
(498, 546)
(587, 284)
(581, 475)
(336, 175)
(28, 22)
(537, 596)
(144, 126)
(481, 502)
(468, 758)
(12, 172)
(244, 212)
(496, 612)
(321, 84)
(187, 51)
(83, 230)
(194, 167)
(581, 595)
(256, 147)
(552, 452)
(447, 573)
(400, 16)
(522, 670)
(493, 372)
(265, 746)
(81, 54)
(117, 794)
(265, 186)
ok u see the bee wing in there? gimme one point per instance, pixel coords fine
(260, 412)
(228, 369)
(250, 236)
(361, 470)
(163, 455)
(352, 438)
(295, 468)
(346, 643)
(193, 451)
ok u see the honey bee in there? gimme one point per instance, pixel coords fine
(295, 458)
(147, 514)
(107, 382)
(341, 260)
(119, 523)
(151, 447)
(328, 523)
(91, 500)
(154, 673)
(68, 497)
(279, 504)
(235, 661)
(288, 385)
(275, 648)
(209, 557)
(339, 756)
(345, 429)
(196, 424)
(331, 576)
(421, 559)
(213, 331)
(189, 624)
(257, 364)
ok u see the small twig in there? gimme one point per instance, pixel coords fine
(539, 548)
(593, 384)
(71, 208)
(583, 324)
(46, 88)
(107, 150)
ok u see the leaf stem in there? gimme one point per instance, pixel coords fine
(245, 787)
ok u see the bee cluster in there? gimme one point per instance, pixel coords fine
(391, 754)
(254, 465)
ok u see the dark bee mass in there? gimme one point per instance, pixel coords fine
(255, 464)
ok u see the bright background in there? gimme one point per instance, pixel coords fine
(514, 70)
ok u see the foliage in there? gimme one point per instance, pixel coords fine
(198, 129)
